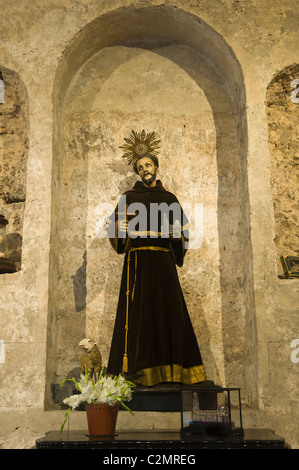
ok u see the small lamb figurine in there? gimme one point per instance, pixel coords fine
(91, 358)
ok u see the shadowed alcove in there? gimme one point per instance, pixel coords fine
(282, 114)
(14, 145)
(161, 69)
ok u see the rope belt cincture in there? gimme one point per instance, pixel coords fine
(153, 248)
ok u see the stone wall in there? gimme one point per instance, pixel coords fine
(221, 61)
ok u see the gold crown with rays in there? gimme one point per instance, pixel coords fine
(140, 144)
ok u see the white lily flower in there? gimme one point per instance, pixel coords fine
(107, 390)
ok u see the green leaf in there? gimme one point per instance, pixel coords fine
(101, 373)
(77, 386)
(126, 407)
(65, 418)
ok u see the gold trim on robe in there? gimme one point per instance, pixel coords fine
(170, 373)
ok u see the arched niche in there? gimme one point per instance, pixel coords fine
(14, 145)
(88, 94)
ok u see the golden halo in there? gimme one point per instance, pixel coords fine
(140, 144)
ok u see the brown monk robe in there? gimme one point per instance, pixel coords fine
(153, 339)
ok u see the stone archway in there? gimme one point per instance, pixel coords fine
(184, 43)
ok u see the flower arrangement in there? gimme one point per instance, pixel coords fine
(105, 390)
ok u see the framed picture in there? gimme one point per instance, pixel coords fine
(290, 266)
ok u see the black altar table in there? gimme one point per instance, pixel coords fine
(161, 439)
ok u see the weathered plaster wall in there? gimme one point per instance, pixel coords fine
(35, 40)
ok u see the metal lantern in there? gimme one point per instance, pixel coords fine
(6, 265)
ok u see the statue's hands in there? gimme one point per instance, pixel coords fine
(176, 229)
(123, 226)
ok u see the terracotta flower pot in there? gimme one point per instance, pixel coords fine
(101, 419)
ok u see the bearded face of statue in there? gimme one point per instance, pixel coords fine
(147, 171)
